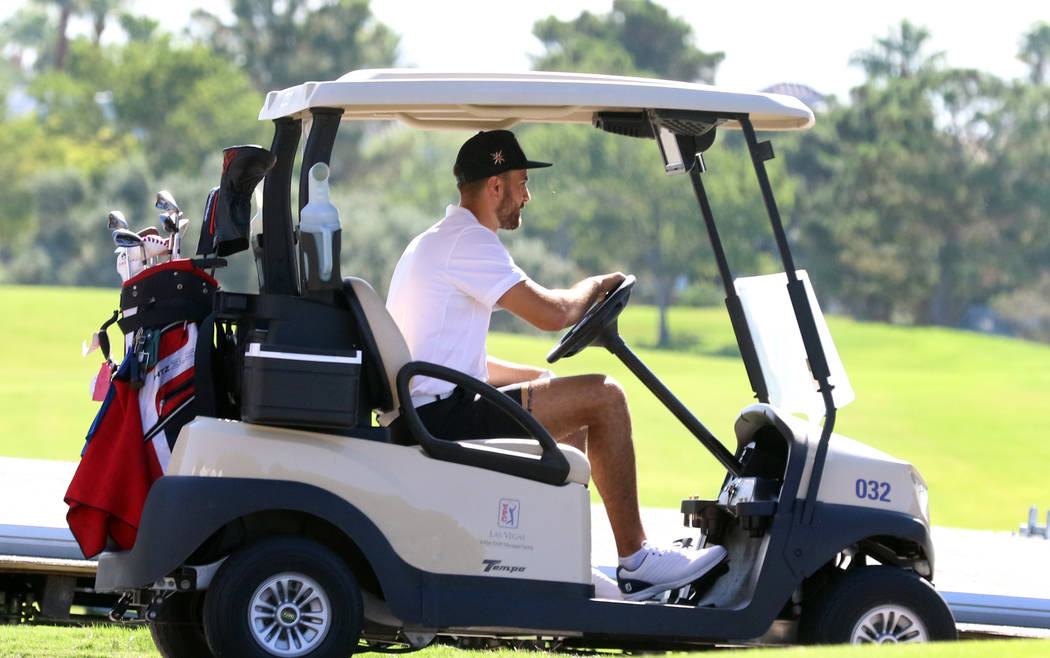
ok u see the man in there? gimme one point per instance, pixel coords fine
(443, 292)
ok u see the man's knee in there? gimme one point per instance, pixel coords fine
(606, 392)
(613, 392)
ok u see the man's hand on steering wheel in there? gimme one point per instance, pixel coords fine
(611, 302)
(608, 283)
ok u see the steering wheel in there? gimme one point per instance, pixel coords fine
(591, 325)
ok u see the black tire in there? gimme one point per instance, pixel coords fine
(178, 630)
(253, 607)
(877, 604)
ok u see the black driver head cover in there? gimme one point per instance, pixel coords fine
(228, 210)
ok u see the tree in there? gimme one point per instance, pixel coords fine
(899, 54)
(281, 44)
(638, 37)
(900, 218)
(66, 8)
(1018, 149)
(100, 11)
(656, 220)
(1035, 52)
(27, 35)
(185, 102)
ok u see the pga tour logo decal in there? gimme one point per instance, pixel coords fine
(509, 510)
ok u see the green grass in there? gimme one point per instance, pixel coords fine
(968, 410)
(43, 379)
(67, 642)
(133, 642)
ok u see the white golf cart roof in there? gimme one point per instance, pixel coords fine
(485, 101)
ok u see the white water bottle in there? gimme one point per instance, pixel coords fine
(319, 231)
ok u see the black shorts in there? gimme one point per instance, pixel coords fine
(463, 416)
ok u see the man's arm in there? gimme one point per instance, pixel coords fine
(553, 310)
(503, 372)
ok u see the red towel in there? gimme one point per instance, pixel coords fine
(116, 471)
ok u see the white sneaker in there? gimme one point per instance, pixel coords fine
(604, 586)
(666, 568)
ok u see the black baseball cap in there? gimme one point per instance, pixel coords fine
(490, 153)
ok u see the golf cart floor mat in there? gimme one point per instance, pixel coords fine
(692, 593)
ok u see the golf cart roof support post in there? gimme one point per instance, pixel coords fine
(612, 341)
(319, 146)
(280, 274)
(744, 339)
(807, 325)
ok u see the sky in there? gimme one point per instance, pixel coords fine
(764, 41)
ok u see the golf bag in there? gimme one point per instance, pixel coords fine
(163, 382)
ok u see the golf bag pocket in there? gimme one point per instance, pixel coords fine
(175, 291)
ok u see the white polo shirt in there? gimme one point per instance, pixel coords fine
(443, 292)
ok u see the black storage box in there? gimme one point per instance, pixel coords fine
(286, 385)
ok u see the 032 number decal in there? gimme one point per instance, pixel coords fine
(873, 490)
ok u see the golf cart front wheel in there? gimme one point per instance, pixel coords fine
(876, 605)
(286, 597)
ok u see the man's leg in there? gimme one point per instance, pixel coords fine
(590, 412)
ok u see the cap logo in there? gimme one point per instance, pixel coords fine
(497, 157)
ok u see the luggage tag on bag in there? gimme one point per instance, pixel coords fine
(100, 384)
(90, 346)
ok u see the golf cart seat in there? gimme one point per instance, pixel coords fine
(388, 354)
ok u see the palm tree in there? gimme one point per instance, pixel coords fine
(66, 10)
(898, 55)
(100, 10)
(1035, 52)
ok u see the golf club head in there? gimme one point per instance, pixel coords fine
(116, 220)
(122, 237)
(166, 202)
(183, 223)
(149, 230)
(170, 221)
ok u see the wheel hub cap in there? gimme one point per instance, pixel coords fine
(289, 615)
(889, 624)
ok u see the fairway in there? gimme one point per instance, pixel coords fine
(966, 409)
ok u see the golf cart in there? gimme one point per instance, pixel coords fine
(295, 526)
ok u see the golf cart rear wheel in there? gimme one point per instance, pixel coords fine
(285, 597)
(178, 631)
(876, 605)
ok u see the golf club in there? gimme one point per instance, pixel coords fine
(176, 251)
(166, 202)
(170, 218)
(126, 239)
(116, 220)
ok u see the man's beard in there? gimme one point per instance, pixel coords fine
(508, 214)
